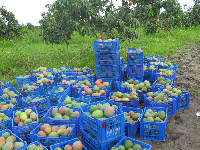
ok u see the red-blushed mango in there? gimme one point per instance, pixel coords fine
(68, 147)
(47, 129)
(17, 119)
(77, 145)
(42, 133)
(109, 112)
(62, 110)
(55, 128)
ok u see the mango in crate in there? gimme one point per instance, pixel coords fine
(64, 113)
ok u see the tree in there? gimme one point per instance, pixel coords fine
(9, 26)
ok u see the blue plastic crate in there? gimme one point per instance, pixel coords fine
(66, 85)
(143, 145)
(79, 100)
(54, 97)
(6, 85)
(170, 105)
(154, 131)
(24, 147)
(108, 89)
(106, 47)
(67, 74)
(107, 71)
(93, 98)
(22, 80)
(9, 112)
(107, 58)
(121, 68)
(133, 103)
(88, 71)
(24, 131)
(48, 119)
(37, 143)
(171, 77)
(31, 92)
(62, 144)
(83, 77)
(157, 87)
(6, 124)
(135, 71)
(46, 87)
(125, 70)
(131, 129)
(173, 67)
(32, 73)
(148, 59)
(150, 75)
(42, 105)
(48, 141)
(92, 144)
(103, 130)
(135, 58)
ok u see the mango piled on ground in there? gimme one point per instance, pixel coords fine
(40, 69)
(102, 111)
(8, 94)
(163, 81)
(47, 131)
(8, 142)
(35, 147)
(135, 51)
(130, 83)
(44, 74)
(119, 96)
(28, 87)
(101, 84)
(3, 117)
(154, 116)
(62, 69)
(142, 86)
(131, 116)
(6, 106)
(60, 89)
(158, 97)
(63, 113)
(83, 83)
(129, 145)
(68, 82)
(77, 145)
(73, 103)
(172, 91)
(25, 117)
(29, 99)
(166, 72)
(84, 69)
(44, 80)
(151, 67)
(162, 63)
(94, 92)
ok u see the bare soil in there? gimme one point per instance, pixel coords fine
(183, 130)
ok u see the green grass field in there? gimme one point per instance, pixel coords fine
(20, 56)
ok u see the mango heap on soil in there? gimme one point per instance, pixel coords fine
(47, 131)
(29, 99)
(83, 83)
(60, 89)
(8, 94)
(131, 116)
(79, 70)
(154, 116)
(158, 97)
(68, 82)
(162, 63)
(40, 69)
(62, 69)
(77, 145)
(3, 117)
(129, 145)
(44, 80)
(101, 84)
(28, 87)
(172, 91)
(94, 92)
(135, 51)
(26, 117)
(102, 112)
(64, 113)
(166, 72)
(44, 74)
(8, 142)
(72, 103)
(34, 147)
(118, 96)
(151, 67)
(6, 105)
(163, 81)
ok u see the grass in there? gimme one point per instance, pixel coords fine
(20, 56)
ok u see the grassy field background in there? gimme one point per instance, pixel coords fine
(21, 55)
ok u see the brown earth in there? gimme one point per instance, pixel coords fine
(183, 129)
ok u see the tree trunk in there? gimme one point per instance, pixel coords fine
(102, 35)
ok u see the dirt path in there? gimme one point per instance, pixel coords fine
(183, 130)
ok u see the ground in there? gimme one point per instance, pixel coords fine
(183, 128)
